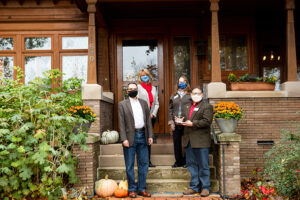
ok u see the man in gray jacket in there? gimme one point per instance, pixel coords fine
(136, 133)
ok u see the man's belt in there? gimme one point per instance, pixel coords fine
(139, 129)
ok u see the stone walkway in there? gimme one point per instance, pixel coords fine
(169, 196)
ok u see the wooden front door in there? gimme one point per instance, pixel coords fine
(135, 53)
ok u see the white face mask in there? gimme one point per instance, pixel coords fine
(196, 98)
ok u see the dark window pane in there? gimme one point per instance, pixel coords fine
(6, 67)
(38, 43)
(137, 55)
(182, 60)
(6, 43)
(233, 53)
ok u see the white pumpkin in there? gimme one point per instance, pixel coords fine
(105, 187)
(109, 137)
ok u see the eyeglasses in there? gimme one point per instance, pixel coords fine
(132, 89)
(196, 94)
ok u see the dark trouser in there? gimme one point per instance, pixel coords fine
(177, 135)
(149, 146)
(140, 147)
(197, 161)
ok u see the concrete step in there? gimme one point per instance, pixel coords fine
(174, 185)
(117, 160)
(112, 149)
(160, 172)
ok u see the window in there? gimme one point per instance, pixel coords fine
(182, 58)
(233, 53)
(74, 64)
(38, 53)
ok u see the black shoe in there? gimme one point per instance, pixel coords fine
(176, 165)
(151, 165)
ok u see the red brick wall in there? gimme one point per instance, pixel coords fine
(87, 166)
(263, 120)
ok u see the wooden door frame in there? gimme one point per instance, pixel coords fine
(161, 70)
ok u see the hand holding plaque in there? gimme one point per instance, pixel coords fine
(178, 120)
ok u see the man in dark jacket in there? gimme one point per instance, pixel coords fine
(136, 133)
(197, 117)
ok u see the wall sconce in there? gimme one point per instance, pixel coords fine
(201, 47)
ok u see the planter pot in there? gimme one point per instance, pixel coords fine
(84, 126)
(251, 86)
(226, 125)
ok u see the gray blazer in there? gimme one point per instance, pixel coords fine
(199, 134)
(126, 121)
(174, 103)
(143, 94)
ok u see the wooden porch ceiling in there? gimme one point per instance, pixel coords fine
(21, 2)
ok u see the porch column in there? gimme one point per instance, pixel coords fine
(290, 42)
(92, 64)
(292, 85)
(215, 89)
(215, 45)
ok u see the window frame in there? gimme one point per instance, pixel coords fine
(71, 50)
(15, 40)
(23, 36)
(10, 55)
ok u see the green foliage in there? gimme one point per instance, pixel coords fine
(36, 136)
(251, 78)
(282, 164)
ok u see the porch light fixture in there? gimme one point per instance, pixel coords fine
(271, 54)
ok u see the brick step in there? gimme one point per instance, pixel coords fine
(160, 172)
(174, 185)
(112, 149)
(117, 160)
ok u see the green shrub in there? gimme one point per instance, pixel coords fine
(36, 136)
(282, 163)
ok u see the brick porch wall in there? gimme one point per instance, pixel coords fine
(263, 120)
(107, 115)
(87, 166)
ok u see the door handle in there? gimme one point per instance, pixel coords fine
(162, 91)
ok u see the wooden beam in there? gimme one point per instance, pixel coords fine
(82, 5)
(55, 1)
(38, 2)
(291, 42)
(21, 2)
(3, 2)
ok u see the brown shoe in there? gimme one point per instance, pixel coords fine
(204, 193)
(144, 194)
(189, 192)
(132, 194)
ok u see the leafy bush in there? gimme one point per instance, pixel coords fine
(282, 163)
(84, 112)
(36, 137)
(256, 188)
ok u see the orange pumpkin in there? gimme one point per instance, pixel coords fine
(120, 192)
(105, 187)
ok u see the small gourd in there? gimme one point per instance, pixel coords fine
(105, 187)
(122, 190)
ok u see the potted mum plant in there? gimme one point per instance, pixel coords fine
(84, 112)
(251, 83)
(227, 115)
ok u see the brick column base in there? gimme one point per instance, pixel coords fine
(87, 166)
(231, 144)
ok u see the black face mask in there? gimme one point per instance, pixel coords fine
(132, 93)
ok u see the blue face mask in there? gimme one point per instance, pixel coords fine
(182, 85)
(145, 78)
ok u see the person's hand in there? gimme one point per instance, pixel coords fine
(151, 116)
(172, 127)
(187, 123)
(178, 120)
(125, 143)
(150, 141)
